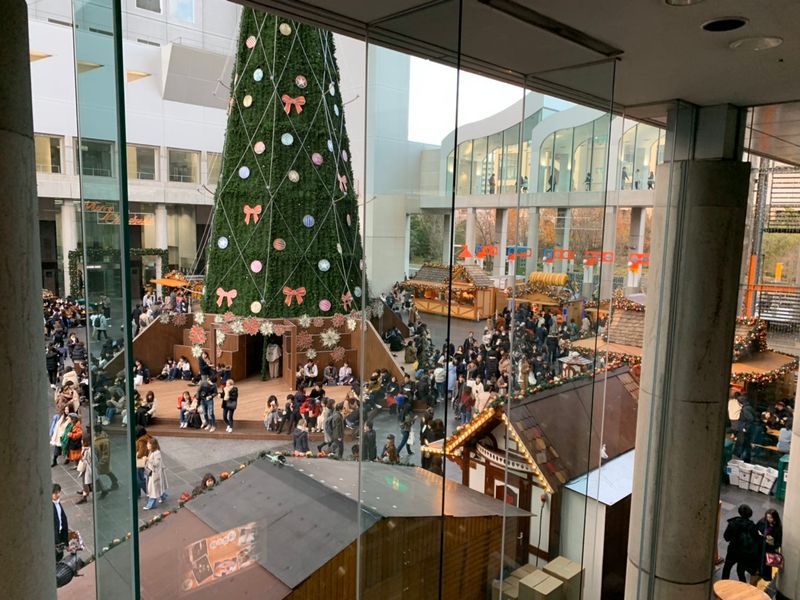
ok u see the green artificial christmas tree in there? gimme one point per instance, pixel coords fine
(285, 238)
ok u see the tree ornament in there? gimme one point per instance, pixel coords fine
(316, 158)
(258, 75)
(254, 212)
(287, 139)
(289, 102)
(256, 266)
(279, 244)
(324, 305)
(244, 172)
(285, 29)
(294, 176)
(308, 221)
(222, 243)
(330, 337)
(250, 42)
(228, 296)
(324, 265)
(255, 307)
(301, 82)
(247, 101)
(259, 147)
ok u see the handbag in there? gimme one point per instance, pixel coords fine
(774, 559)
(81, 467)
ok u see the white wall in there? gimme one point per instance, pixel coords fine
(582, 538)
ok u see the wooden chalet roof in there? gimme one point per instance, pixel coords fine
(433, 274)
(560, 427)
(627, 328)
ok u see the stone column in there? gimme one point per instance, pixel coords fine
(789, 578)
(472, 215)
(26, 511)
(609, 245)
(69, 239)
(533, 240)
(635, 244)
(563, 225)
(501, 241)
(447, 239)
(698, 228)
(162, 241)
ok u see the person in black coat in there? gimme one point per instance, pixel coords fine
(52, 360)
(369, 443)
(744, 545)
(60, 523)
(771, 530)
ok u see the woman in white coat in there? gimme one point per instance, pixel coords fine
(85, 470)
(156, 476)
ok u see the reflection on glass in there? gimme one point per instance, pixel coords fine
(142, 162)
(562, 163)
(582, 158)
(95, 157)
(464, 168)
(494, 161)
(627, 149)
(546, 176)
(214, 166)
(600, 153)
(510, 181)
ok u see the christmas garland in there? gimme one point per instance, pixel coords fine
(769, 376)
(754, 339)
(94, 255)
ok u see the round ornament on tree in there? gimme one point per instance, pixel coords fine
(259, 147)
(308, 221)
(255, 307)
(324, 265)
(244, 172)
(287, 139)
(324, 305)
(316, 158)
(285, 29)
(258, 75)
(279, 244)
(256, 266)
(250, 42)
(294, 176)
(222, 243)
(301, 82)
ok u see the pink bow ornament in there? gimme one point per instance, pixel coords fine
(223, 295)
(251, 211)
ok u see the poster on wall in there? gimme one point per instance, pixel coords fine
(217, 556)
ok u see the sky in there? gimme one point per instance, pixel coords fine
(432, 99)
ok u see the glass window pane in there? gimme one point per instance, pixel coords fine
(48, 153)
(95, 158)
(464, 167)
(494, 161)
(562, 160)
(151, 5)
(479, 175)
(183, 10)
(599, 146)
(142, 162)
(546, 179)
(448, 178)
(647, 138)
(184, 166)
(627, 150)
(510, 159)
(214, 166)
(582, 158)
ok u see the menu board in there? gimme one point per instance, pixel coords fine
(218, 556)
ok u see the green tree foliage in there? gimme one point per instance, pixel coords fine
(285, 235)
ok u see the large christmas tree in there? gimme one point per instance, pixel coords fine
(285, 238)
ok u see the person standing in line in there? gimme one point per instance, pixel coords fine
(636, 179)
(734, 412)
(60, 427)
(71, 439)
(744, 545)
(624, 177)
(230, 399)
(60, 523)
(85, 470)
(492, 183)
(587, 182)
(102, 448)
(52, 360)
(651, 181)
(744, 437)
(771, 530)
(156, 476)
(142, 439)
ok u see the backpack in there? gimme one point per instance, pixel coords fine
(749, 540)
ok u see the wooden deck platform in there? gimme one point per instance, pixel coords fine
(249, 415)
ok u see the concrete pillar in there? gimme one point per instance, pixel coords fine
(472, 215)
(501, 240)
(447, 239)
(636, 244)
(698, 228)
(162, 241)
(563, 225)
(69, 239)
(789, 578)
(609, 245)
(26, 511)
(533, 240)
(587, 288)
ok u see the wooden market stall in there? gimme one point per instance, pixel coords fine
(473, 292)
(545, 292)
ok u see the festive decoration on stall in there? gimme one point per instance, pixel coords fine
(197, 335)
(267, 328)
(754, 340)
(318, 322)
(351, 324)
(311, 354)
(251, 326)
(237, 327)
(338, 320)
(220, 338)
(101, 255)
(338, 354)
(769, 376)
(285, 200)
(199, 317)
(304, 321)
(197, 350)
(330, 337)
(304, 340)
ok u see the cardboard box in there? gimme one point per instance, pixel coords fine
(508, 591)
(524, 570)
(549, 589)
(569, 573)
(527, 585)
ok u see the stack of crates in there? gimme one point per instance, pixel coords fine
(770, 475)
(756, 476)
(745, 469)
(733, 471)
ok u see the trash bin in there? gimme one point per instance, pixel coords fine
(783, 474)
(733, 471)
(745, 469)
(756, 475)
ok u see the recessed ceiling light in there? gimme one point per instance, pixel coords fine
(756, 43)
(724, 24)
(682, 2)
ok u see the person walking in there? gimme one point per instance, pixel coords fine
(52, 359)
(369, 443)
(771, 530)
(57, 434)
(230, 399)
(744, 545)
(142, 439)
(71, 445)
(405, 432)
(156, 476)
